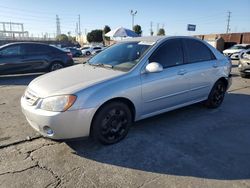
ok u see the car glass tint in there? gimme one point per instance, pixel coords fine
(169, 54)
(11, 51)
(196, 51)
(36, 49)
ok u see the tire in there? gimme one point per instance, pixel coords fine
(111, 123)
(243, 75)
(55, 66)
(216, 96)
(88, 53)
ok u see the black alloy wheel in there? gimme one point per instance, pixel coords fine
(55, 66)
(111, 123)
(216, 95)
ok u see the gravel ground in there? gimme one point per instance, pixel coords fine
(188, 147)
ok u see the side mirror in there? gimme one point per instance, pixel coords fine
(154, 67)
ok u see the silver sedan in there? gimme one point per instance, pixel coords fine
(129, 81)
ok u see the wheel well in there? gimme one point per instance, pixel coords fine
(56, 62)
(224, 80)
(119, 99)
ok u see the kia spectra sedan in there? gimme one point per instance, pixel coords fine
(129, 81)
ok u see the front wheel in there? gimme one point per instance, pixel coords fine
(216, 95)
(111, 123)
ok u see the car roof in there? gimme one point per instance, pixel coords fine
(145, 39)
(15, 43)
(153, 39)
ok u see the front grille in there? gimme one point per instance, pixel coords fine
(30, 97)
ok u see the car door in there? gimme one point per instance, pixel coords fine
(202, 68)
(36, 56)
(11, 59)
(169, 88)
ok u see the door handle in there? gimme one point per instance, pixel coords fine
(182, 72)
(215, 65)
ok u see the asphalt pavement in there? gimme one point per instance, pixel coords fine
(189, 147)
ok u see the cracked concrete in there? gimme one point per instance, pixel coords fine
(189, 147)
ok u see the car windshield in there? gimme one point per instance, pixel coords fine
(85, 48)
(122, 56)
(237, 47)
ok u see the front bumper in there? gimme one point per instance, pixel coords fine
(244, 66)
(65, 125)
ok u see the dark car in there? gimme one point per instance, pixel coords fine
(32, 57)
(74, 51)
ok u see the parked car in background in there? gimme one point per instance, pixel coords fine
(32, 57)
(98, 51)
(88, 50)
(74, 51)
(235, 50)
(129, 81)
(244, 64)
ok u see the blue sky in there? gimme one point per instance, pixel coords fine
(209, 15)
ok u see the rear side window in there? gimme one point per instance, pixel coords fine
(37, 49)
(169, 54)
(196, 51)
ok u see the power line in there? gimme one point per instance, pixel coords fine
(228, 22)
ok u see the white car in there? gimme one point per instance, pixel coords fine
(235, 50)
(88, 50)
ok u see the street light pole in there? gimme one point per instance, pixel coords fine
(133, 13)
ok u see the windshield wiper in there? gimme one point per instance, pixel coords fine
(102, 65)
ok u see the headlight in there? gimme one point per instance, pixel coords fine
(58, 103)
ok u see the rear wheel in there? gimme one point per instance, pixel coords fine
(243, 75)
(216, 95)
(88, 53)
(111, 123)
(55, 66)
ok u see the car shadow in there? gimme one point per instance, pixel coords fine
(18, 79)
(191, 141)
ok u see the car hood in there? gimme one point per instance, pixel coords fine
(232, 51)
(70, 80)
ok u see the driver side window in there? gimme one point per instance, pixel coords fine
(168, 54)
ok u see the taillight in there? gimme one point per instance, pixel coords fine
(70, 55)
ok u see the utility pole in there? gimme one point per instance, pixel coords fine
(151, 29)
(133, 13)
(228, 21)
(79, 24)
(58, 27)
(157, 28)
(76, 31)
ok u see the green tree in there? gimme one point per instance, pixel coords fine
(161, 32)
(137, 29)
(71, 39)
(62, 38)
(95, 36)
(106, 29)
